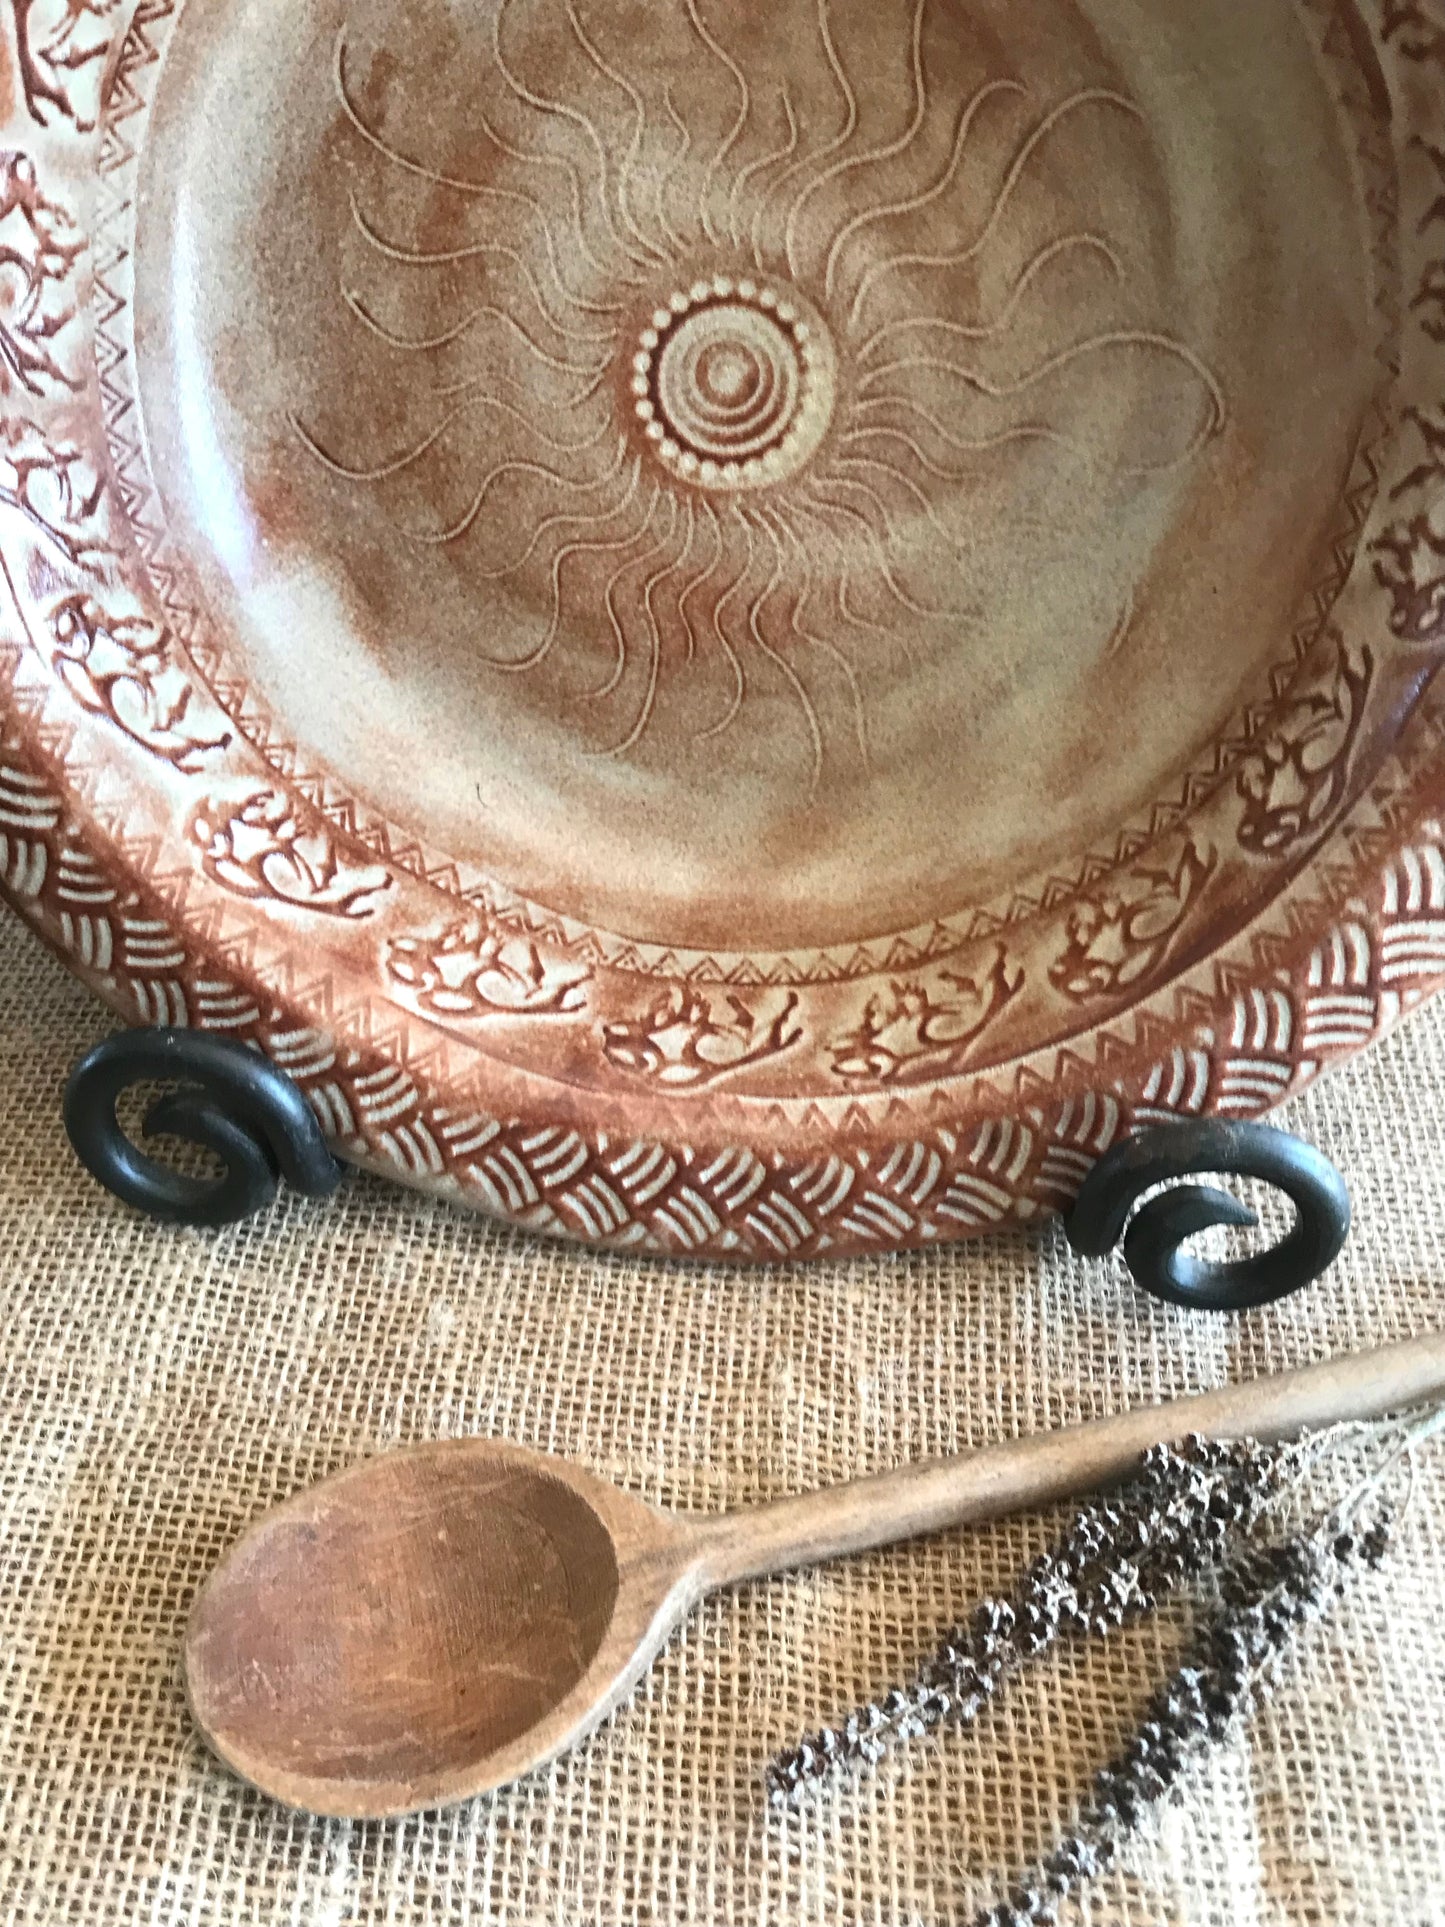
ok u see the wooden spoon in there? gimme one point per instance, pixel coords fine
(436, 1621)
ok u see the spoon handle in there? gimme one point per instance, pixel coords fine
(1005, 1478)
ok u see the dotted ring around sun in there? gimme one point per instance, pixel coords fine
(734, 383)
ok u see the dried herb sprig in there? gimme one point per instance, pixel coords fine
(1264, 1595)
(1119, 1558)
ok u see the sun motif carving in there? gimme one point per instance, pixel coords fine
(753, 380)
(734, 384)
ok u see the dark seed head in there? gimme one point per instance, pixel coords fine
(1376, 1543)
(993, 1619)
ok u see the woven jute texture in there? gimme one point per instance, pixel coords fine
(160, 1389)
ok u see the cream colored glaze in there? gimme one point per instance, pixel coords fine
(1192, 215)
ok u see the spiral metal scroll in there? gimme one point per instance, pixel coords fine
(230, 1101)
(1155, 1238)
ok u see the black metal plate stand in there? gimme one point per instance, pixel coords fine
(236, 1103)
(1155, 1233)
(230, 1099)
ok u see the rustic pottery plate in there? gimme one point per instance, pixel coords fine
(731, 627)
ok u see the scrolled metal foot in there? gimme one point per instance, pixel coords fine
(231, 1101)
(1154, 1239)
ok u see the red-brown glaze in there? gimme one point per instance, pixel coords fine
(770, 910)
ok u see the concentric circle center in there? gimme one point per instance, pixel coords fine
(734, 383)
(729, 373)
(761, 375)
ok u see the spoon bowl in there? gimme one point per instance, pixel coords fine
(438, 1620)
(429, 1624)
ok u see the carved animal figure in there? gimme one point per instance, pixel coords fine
(54, 486)
(39, 245)
(1118, 937)
(65, 49)
(118, 666)
(474, 969)
(260, 848)
(913, 1034)
(683, 1044)
(1296, 777)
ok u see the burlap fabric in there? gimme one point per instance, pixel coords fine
(158, 1389)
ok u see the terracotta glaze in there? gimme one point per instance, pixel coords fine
(735, 630)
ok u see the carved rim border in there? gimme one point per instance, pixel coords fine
(1353, 943)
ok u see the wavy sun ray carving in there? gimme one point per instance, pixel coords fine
(732, 374)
